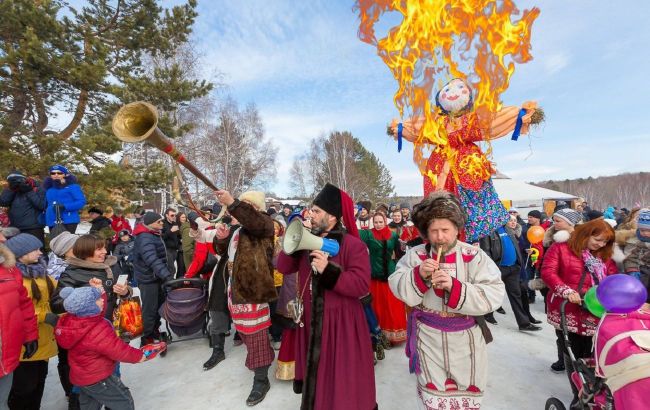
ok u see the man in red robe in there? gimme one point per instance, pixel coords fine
(334, 359)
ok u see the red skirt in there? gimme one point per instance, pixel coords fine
(286, 369)
(390, 311)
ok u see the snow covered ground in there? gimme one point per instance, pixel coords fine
(519, 376)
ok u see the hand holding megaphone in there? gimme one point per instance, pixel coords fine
(297, 238)
(319, 260)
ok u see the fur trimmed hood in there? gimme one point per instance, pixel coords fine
(50, 183)
(552, 236)
(7, 258)
(623, 236)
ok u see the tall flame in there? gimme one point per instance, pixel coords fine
(437, 40)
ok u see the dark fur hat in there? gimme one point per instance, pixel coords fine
(438, 205)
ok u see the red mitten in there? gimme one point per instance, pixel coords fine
(151, 350)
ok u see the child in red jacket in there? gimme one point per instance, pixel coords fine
(94, 349)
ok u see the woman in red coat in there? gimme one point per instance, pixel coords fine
(18, 325)
(569, 270)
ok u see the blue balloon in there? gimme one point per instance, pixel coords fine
(621, 293)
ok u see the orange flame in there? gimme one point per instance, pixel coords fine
(476, 40)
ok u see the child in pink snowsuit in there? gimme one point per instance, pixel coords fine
(623, 356)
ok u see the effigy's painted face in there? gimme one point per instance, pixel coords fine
(455, 96)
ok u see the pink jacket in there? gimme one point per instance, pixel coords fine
(561, 271)
(623, 355)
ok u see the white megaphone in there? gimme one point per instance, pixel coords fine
(298, 238)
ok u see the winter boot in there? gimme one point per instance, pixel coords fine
(236, 340)
(261, 386)
(73, 402)
(385, 343)
(558, 367)
(146, 341)
(216, 343)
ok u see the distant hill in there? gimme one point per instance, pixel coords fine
(623, 191)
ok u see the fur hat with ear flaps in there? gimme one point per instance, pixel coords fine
(438, 205)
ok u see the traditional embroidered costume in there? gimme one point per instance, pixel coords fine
(446, 347)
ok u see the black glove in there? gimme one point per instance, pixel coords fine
(51, 318)
(25, 187)
(30, 349)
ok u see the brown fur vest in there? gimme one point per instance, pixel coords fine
(252, 272)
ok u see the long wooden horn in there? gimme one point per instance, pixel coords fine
(138, 122)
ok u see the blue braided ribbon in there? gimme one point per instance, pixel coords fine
(400, 128)
(518, 125)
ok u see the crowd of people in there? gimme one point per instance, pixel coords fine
(403, 276)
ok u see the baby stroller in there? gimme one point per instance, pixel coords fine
(184, 309)
(593, 391)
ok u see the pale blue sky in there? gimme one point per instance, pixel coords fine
(303, 65)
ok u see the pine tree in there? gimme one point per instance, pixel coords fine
(64, 73)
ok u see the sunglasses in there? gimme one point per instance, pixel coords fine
(56, 173)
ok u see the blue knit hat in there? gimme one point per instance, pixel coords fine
(60, 168)
(23, 243)
(644, 219)
(81, 301)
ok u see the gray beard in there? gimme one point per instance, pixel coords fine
(319, 229)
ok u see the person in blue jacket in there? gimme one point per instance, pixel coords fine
(63, 194)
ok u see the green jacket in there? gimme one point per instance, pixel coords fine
(187, 242)
(382, 263)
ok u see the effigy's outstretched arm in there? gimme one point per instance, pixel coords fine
(504, 121)
(410, 128)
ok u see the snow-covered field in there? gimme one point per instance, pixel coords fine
(519, 376)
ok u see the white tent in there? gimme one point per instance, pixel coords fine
(526, 197)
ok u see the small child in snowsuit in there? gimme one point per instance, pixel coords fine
(94, 349)
(125, 244)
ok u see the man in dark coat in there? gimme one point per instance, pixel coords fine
(334, 359)
(503, 248)
(26, 203)
(249, 253)
(172, 238)
(151, 272)
(97, 220)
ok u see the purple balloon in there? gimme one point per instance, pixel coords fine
(621, 293)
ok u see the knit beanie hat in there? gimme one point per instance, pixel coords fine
(15, 174)
(644, 219)
(365, 205)
(192, 216)
(81, 301)
(593, 214)
(60, 168)
(23, 243)
(404, 205)
(535, 214)
(572, 217)
(9, 232)
(254, 197)
(95, 210)
(151, 217)
(63, 242)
